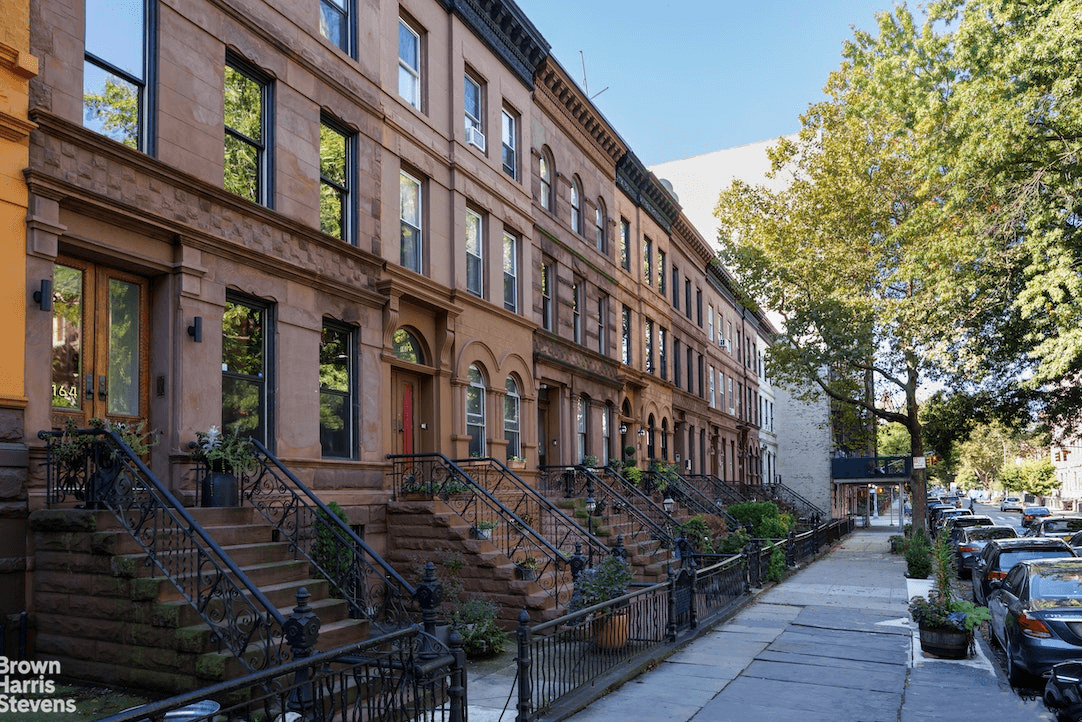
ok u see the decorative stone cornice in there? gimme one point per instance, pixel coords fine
(22, 64)
(646, 190)
(558, 93)
(507, 32)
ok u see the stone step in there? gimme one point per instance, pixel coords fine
(271, 572)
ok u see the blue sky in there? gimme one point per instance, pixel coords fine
(687, 77)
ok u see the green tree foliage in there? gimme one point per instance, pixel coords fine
(982, 454)
(893, 440)
(766, 521)
(854, 251)
(1030, 476)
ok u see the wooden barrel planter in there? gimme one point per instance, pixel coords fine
(610, 631)
(945, 642)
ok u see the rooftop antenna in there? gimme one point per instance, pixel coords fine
(585, 84)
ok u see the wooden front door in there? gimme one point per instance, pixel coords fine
(406, 389)
(99, 344)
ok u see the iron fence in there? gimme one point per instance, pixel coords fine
(95, 468)
(404, 675)
(560, 657)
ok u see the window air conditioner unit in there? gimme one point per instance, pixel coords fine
(727, 344)
(475, 137)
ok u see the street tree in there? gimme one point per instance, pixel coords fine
(983, 453)
(853, 246)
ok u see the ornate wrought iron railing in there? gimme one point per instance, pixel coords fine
(499, 506)
(810, 514)
(687, 495)
(403, 675)
(622, 508)
(372, 588)
(96, 468)
(715, 488)
(561, 656)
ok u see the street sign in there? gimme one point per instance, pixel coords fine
(918, 462)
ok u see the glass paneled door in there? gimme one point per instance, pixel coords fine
(99, 340)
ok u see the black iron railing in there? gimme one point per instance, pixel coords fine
(560, 657)
(618, 506)
(809, 513)
(687, 495)
(371, 587)
(404, 675)
(97, 469)
(499, 506)
(715, 488)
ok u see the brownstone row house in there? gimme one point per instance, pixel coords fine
(352, 229)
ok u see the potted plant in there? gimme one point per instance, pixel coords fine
(483, 529)
(225, 455)
(589, 461)
(606, 581)
(517, 462)
(946, 623)
(527, 568)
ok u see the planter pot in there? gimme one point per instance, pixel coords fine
(220, 489)
(610, 631)
(517, 465)
(945, 642)
(526, 574)
(483, 533)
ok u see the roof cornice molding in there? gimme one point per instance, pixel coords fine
(646, 190)
(507, 32)
(563, 95)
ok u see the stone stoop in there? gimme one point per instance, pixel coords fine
(109, 618)
(423, 531)
(649, 558)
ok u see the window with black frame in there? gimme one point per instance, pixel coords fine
(336, 391)
(246, 367)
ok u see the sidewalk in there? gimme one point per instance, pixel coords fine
(833, 642)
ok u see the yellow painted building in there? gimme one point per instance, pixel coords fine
(17, 67)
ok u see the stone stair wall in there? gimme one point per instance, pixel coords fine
(426, 531)
(106, 616)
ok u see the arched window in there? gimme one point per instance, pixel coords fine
(599, 225)
(545, 171)
(665, 439)
(407, 347)
(576, 206)
(650, 438)
(512, 405)
(475, 412)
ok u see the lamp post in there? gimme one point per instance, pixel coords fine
(591, 505)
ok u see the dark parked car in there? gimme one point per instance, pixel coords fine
(969, 541)
(960, 521)
(1011, 503)
(939, 521)
(1037, 615)
(1063, 690)
(1032, 513)
(1063, 527)
(999, 555)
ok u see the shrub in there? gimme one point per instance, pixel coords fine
(733, 542)
(775, 569)
(763, 516)
(918, 556)
(475, 620)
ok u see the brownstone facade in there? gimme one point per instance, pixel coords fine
(505, 277)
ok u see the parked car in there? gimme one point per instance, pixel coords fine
(953, 500)
(1063, 690)
(999, 555)
(1064, 527)
(960, 521)
(1032, 513)
(1011, 503)
(939, 521)
(969, 541)
(1035, 611)
(932, 509)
